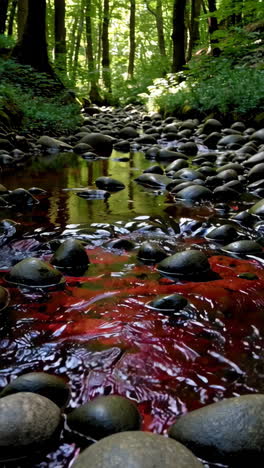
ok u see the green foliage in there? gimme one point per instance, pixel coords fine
(43, 105)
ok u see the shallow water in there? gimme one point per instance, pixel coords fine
(98, 332)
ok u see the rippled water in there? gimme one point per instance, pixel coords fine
(98, 332)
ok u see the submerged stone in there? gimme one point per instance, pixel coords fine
(171, 303)
(195, 193)
(224, 233)
(50, 386)
(104, 416)
(153, 180)
(101, 144)
(34, 272)
(229, 431)
(136, 449)
(4, 298)
(188, 263)
(108, 183)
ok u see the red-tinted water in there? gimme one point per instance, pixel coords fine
(98, 332)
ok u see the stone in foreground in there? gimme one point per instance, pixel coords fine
(104, 416)
(186, 264)
(28, 422)
(229, 431)
(137, 450)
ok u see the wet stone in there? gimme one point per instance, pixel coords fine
(224, 233)
(4, 298)
(136, 449)
(104, 416)
(32, 272)
(171, 303)
(92, 194)
(229, 431)
(154, 170)
(101, 144)
(70, 254)
(195, 193)
(243, 247)
(151, 252)
(27, 422)
(50, 386)
(186, 264)
(108, 183)
(153, 180)
(258, 208)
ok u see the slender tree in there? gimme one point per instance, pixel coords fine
(22, 12)
(3, 15)
(157, 13)
(106, 72)
(60, 35)
(178, 35)
(194, 26)
(132, 41)
(93, 74)
(78, 39)
(212, 27)
(12, 17)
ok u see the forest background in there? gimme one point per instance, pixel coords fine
(182, 57)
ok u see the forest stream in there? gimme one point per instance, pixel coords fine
(104, 328)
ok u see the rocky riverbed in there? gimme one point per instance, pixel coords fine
(132, 265)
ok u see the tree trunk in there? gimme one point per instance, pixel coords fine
(105, 48)
(3, 15)
(32, 49)
(212, 27)
(22, 12)
(93, 75)
(178, 36)
(60, 36)
(12, 17)
(71, 46)
(160, 29)
(194, 25)
(78, 41)
(132, 42)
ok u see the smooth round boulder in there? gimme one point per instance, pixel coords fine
(229, 431)
(211, 125)
(224, 233)
(188, 263)
(50, 386)
(153, 180)
(27, 422)
(104, 416)
(256, 172)
(35, 273)
(128, 132)
(258, 208)
(21, 198)
(4, 298)
(188, 174)
(243, 247)
(171, 303)
(109, 184)
(70, 254)
(101, 144)
(195, 193)
(136, 449)
(190, 148)
(154, 170)
(150, 252)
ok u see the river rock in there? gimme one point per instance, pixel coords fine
(136, 449)
(123, 146)
(154, 170)
(224, 233)
(188, 174)
(190, 148)
(151, 252)
(171, 303)
(169, 155)
(211, 125)
(109, 184)
(22, 198)
(92, 194)
(256, 172)
(53, 143)
(82, 148)
(212, 140)
(243, 247)
(258, 136)
(4, 298)
(258, 208)
(234, 139)
(34, 272)
(104, 416)
(153, 180)
(195, 193)
(70, 254)
(188, 263)
(255, 159)
(50, 386)
(229, 431)
(101, 144)
(28, 422)
(128, 132)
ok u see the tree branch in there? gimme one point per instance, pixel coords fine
(153, 12)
